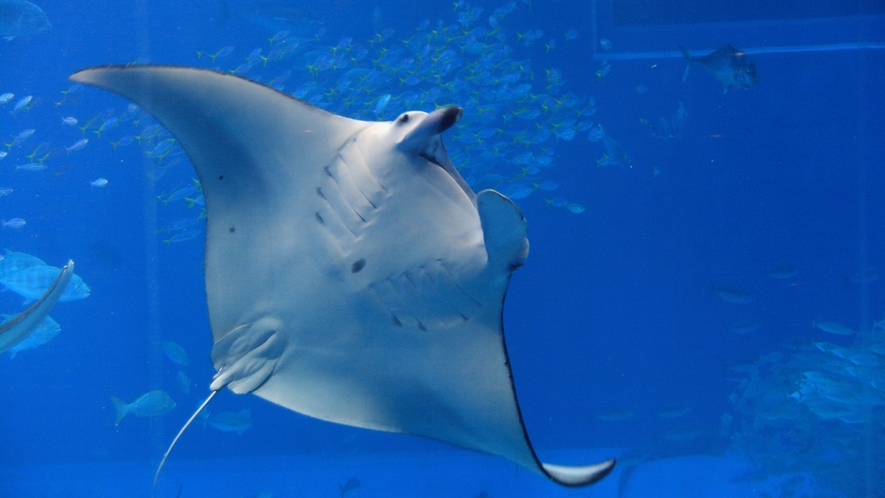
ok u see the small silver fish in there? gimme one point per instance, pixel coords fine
(238, 422)
(575, 207)
(5, 98)
(24, 134)
(79, 144)
(31, 167)
(22, 103)
(16, 223)
(70, 121)
(781, 272)
(833, 328)
(732, 294)
(183, 382)
(151, 404)
(381, 104)
(175, 353)
(101, 182)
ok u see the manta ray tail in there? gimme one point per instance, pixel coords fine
(177, 436)
(690, 60)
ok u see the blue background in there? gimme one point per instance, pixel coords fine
(613, 312)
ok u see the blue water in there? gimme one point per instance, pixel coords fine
(619, 343)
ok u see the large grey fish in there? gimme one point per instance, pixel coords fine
(12, 262)
(20, 18)
(150, 404)
(238, 422)
(730, 66)
(31, 283)
(44, 333)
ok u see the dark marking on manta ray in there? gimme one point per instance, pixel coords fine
(420, 325)
(321, 220)
(320, 193)
(397, 322)
(232, 229)
(357, 265)
(221, 177)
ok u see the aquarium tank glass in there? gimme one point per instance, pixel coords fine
(281, 234)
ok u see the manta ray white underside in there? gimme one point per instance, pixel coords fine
(352, 275)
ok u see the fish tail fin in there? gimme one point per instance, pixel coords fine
(121, 408)
(690, 60)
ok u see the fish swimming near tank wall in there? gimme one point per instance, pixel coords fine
(730, 66)
(21, 18)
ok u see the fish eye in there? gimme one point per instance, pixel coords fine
(403, 119)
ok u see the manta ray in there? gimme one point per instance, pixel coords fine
(22, 325)
(352, 275)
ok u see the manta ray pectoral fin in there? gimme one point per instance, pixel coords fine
(578, 476)
(507, 246)
(246, 356)
(19, 327)
(504, 231)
